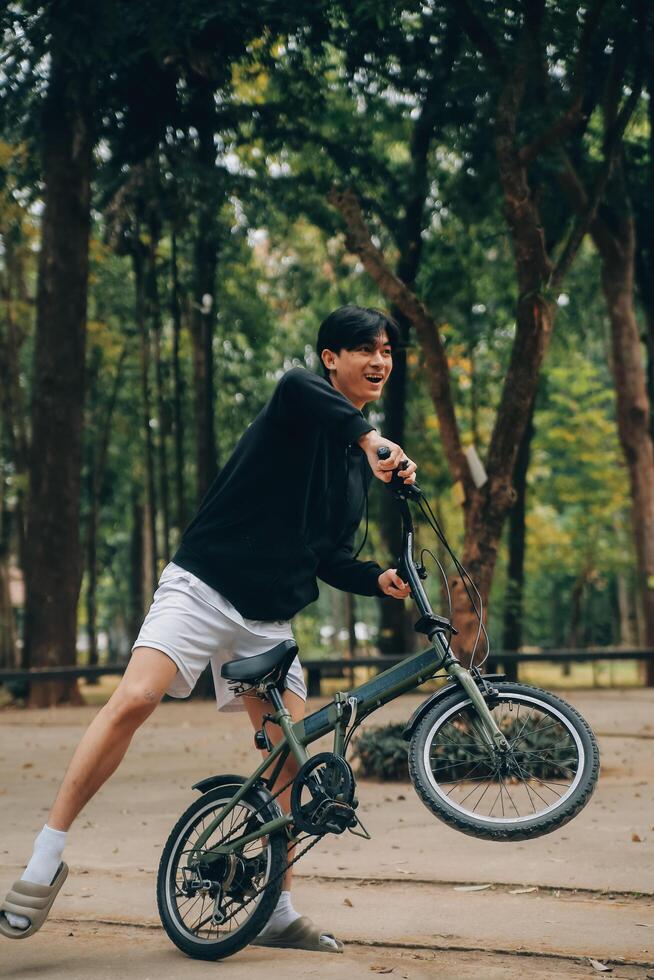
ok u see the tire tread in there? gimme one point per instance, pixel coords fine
(250, 930)
(547, 824)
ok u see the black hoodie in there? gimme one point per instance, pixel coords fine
(285, 507)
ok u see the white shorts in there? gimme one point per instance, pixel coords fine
(194, 625)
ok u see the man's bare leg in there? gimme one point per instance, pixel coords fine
(144, 683)
(103, 745)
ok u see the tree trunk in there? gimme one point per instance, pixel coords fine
(146, 408)
(8, 646)
(485, 508)
(92, 581)
(396, 633)
(53, 552)
(154, 310)
(625, 629)
(11, 392)
(513, 611)
(615, 241)
(178, 390)
(203, 310)
(136, 595)
(97, 468)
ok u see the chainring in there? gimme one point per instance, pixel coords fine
(322, 798)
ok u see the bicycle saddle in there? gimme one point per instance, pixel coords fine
(273, 663)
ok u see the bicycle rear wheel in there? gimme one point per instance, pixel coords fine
(542, 782)
(213, 908)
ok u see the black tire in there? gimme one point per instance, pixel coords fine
(561, 754)
(269, 858)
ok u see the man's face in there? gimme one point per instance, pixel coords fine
(361, 374)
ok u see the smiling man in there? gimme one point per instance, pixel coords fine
(283, 510)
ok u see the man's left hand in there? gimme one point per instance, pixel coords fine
(391, 584)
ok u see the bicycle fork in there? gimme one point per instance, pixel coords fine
(487, 726)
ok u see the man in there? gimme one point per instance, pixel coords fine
(283, 510)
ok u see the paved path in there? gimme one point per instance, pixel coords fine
(593, 881)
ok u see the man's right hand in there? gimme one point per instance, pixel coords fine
(383, 468)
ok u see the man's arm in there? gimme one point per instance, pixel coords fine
(345, 572)
(302, 396)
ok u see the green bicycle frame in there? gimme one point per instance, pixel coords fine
(350, 707)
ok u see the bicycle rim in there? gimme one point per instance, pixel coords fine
(537, 777)
(192, 910)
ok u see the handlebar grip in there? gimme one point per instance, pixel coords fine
(396, 483)
(384, 452)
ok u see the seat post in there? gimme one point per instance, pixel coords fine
(285, 722)
(276, 698)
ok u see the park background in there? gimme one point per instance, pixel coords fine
(187, 189)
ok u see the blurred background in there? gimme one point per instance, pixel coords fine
(187, 189)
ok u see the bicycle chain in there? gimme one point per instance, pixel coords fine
(255, 813)
(289, 864)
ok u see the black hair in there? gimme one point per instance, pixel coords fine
(350, 326)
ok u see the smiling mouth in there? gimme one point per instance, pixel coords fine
(374, 379)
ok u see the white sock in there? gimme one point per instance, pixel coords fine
(282, 916)
(42, 866)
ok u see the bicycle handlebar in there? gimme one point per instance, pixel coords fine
(429, 622)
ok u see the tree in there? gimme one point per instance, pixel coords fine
(515, 70)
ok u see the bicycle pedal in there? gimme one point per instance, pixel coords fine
(356, 833)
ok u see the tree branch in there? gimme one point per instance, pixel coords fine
(573, 114)
(586, 205)
(478, 30)
(399, 295)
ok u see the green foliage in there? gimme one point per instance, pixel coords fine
(382, 753)
(300, 99)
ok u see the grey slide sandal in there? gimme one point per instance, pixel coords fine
(303, 934)
(32, 901)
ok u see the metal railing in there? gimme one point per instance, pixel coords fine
(334, 667)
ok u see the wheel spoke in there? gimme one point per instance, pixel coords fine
(534, 778)
(192, 913)
(474, 809)
(550, 762)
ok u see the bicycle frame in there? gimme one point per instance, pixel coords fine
(350, 707)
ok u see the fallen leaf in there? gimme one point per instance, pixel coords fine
(600, 967)
(346, 901)
(472, 888)
(523, 891)
(28, 765)
(381, 969)
(636, 839)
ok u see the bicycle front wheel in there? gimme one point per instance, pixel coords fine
(545, 778)
(213, 907)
